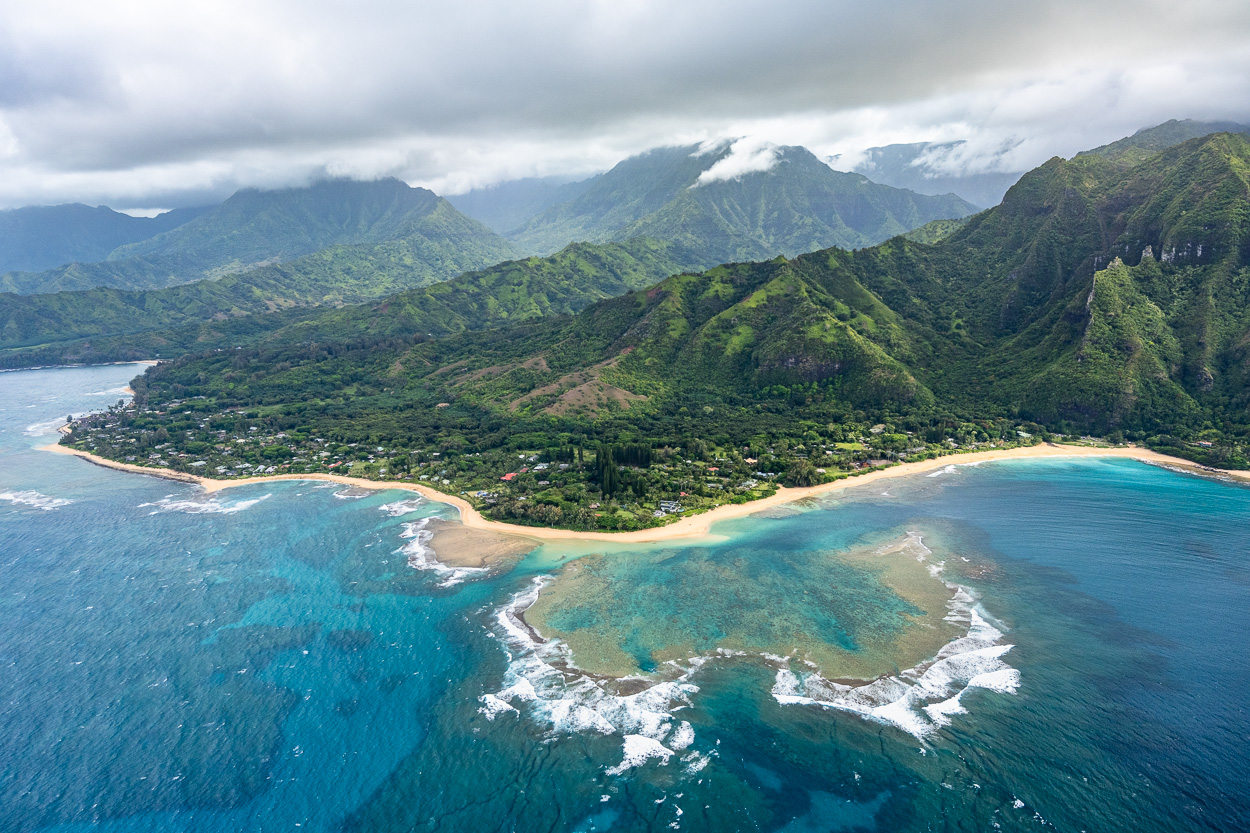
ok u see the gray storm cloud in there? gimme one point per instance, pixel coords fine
(144, 103)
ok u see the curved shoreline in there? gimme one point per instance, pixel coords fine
(694, 526)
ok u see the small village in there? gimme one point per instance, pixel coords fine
(567, 486)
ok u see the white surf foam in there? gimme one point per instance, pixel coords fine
(924, 698)
(541, 678)
(542, 682)
(43, 429)
(123, 391)
(29, 497)
(942, 471)
(638, 750)
(421, 557)
(402, 507)
(202, 506)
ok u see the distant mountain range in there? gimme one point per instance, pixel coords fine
(423, 235)
(45, 236)
(931, 167)
(1105, 294)
(920, 320)
(347, 242)
(798, 204)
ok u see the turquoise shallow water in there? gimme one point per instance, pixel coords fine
(267, 659)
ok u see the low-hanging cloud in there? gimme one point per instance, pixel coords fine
(749, 155)
(152, 103)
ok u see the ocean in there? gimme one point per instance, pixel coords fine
(1054, 644)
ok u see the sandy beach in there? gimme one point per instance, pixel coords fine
(694, 525)
(690, 527)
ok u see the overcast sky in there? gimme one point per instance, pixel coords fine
(160, 104)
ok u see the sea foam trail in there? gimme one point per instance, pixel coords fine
(921, 699)
(205, 506)
(542, 680)
(422, 557)
(38, 500)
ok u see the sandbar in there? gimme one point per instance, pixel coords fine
(456, 545)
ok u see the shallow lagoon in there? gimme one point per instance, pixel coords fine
(267, 657)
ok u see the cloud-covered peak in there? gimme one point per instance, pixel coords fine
(749, 155)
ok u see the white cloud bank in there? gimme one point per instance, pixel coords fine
(143, 103)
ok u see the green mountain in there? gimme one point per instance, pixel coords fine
(45, 236)
(1096, 296)
(254, 228)
(110, 324)
(1099, 296)
(1149, 140)
(799, 204)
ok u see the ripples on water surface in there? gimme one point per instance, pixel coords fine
(1056, 644)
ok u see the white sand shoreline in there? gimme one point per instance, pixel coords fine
(690, 527)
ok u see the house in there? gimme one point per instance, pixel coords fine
(508, 476)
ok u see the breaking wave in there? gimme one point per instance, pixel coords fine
(421, 557)
(921, 699)
(38, 500)
(203, 506)
(402, 507)
(121, 390)
(542, 679)
(42, 429)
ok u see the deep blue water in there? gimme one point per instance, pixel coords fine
(266, 660)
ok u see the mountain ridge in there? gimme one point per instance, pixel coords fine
(254, 228)
(41, 237)
(798, 204)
